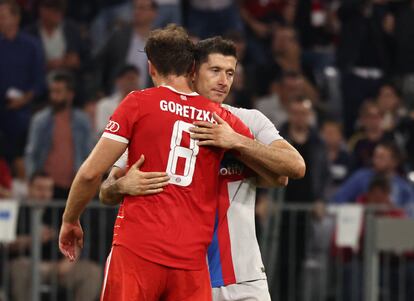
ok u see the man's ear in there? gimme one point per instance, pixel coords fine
(152, 71)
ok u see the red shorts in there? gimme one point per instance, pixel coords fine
(129, 277)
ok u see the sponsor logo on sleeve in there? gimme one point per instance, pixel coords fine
(112, 126)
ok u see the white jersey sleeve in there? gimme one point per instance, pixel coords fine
(262, 128)
(122, 161)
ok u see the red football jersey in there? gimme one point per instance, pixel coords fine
(175, 227)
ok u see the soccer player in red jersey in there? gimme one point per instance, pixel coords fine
(160, 241)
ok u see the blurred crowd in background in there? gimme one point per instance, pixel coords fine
(336, 77)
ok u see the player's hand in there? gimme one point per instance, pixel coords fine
(137, 182)
(71, 240)
(219, 135)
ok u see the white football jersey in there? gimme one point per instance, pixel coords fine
(234, 254)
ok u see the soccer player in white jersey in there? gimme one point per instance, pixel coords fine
(235, 264)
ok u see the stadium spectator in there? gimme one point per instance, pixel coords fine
(285, 56)
(169, 11)
(317, 26)
(56, 132)
(125, 47)
(260, 19)
(363, 56)
(110, 18)
(82, 278)
(386, 161)
(127, 80)
(363, 142)
(281, 92)
(391, 106)
(311, 189)
(61, 39)
(225, 14)
(21, 80)
(338, 155)
(378, 195)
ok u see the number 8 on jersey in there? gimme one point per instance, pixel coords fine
(177, 151)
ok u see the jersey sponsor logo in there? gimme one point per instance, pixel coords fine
(186, 111)
(232, 169)
(112, 126)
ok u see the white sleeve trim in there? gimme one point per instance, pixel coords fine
(115, 137)
(122, 161)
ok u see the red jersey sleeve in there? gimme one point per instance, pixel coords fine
(122, 121)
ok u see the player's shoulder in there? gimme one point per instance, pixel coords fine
(246, 115)
(242, 111)
(144, 92)
(141, 95)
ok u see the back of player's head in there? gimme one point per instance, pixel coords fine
(14, 8)
(214, 45)
(170, 50)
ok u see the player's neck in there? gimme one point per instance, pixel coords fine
(179, 83)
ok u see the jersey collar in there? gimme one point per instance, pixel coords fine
(174, 90)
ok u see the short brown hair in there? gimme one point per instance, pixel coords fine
(13, 6)
(170, 50)
(211, 46)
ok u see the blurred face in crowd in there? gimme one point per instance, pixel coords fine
(284, 39)
(214, 78)
(50, 17)
(41, 189)
(300, 113)
(383, 160)
(388, 99)
(332, 135)
(371, 118)
(8, 21)
(128, 82)
(144, 12)
(291, 87)
(59, 95)
(379, 196)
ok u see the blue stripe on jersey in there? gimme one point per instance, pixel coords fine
(214, 260)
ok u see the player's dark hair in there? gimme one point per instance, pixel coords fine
(170, 50)
(212, 46)
(13, 6)
(66, 78)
